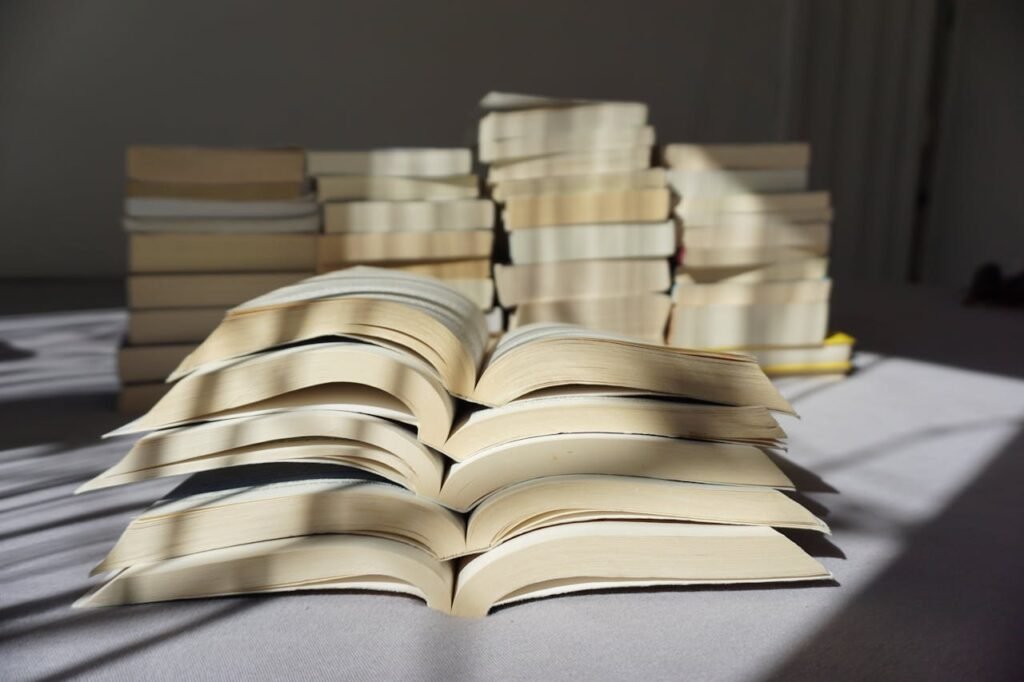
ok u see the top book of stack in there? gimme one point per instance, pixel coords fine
(587, 217)
(417, 209)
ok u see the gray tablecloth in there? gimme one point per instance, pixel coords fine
(917, 461)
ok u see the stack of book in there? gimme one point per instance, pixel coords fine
(754, 256)
(207, 229)
(413, 209)
(385, 449)
(586, 217)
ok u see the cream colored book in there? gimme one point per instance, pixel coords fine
(148, 208)
(223, 253)
(466, 484)
(517, 284)
(310, 222)
(362, 217)
(340, 250)
(611, 206)
(214, 165)
(738, 156)
(480, 291)
(584, 139)
(199, 291)
(571, 163)
(744, 258)
(808, 268)
(140, 364)
(710, 182)
(556, 560)
(391, 188)
(172, 325)
(206, 517)
(811, 236)
(585, 242)
(640, 316)
(727, 326)
(734, 293)
(352, 427)
(416, 162)
(476, 268)
(647, 178)
(558, 119)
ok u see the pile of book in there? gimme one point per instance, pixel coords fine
(754, 256)
(207, 228)
(353, 433)
(586, 217)
(414, 209)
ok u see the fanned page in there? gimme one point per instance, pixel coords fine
(390, 308)
(547, 357)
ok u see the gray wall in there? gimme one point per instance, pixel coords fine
(80, 81)
(977, 210)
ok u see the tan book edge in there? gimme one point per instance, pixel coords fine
(337, 250)
(221, 253)
(214, 165)
(770, 155)
(518, 284)
(646, 205)
(199, 291)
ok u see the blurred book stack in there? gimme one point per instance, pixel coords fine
(586, 217)
(754, 256)
(208, 228)
(413, 209)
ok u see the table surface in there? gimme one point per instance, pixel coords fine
(916, 461)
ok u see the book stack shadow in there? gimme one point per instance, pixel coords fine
(356, 434)
(416, 209)
(586, 217)
(208, 228)
(753, 274)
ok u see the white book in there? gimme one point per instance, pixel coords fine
(422, 162)
(159, 207)
(582, 242)
(305, 223)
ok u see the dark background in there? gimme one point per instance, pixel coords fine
(915, 108)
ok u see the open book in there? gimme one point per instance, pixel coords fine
(354, 431)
